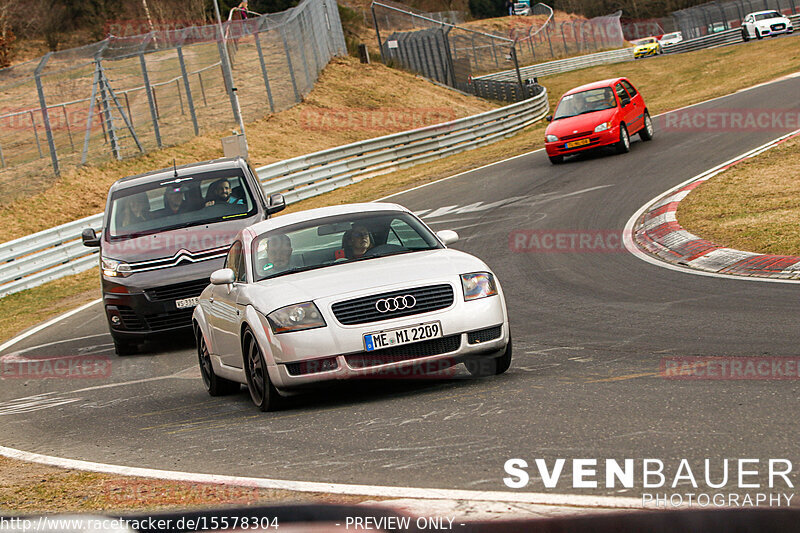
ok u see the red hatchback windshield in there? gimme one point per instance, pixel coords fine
(585, 102)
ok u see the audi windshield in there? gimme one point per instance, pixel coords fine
(171, 203)
(341, 239)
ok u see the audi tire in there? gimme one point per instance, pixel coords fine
(481, 367)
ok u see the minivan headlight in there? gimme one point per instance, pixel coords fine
(478, 285)
(296, 317)
(112, 268)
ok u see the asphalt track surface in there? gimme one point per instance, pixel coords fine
(590, 330)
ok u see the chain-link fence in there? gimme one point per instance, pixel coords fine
(714, 17)
(454, 54)
(124, 96)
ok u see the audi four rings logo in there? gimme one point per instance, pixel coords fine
(384, 305)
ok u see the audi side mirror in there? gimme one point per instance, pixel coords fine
(89, 238)
(223, 276)
(447, 236)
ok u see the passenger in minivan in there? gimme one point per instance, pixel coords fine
(174, 202)
(220, 192)
(135, 209)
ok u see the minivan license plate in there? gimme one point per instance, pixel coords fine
(186, 302)
(400, 336)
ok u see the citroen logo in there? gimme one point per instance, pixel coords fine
(398, 303)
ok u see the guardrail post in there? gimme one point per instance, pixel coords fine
(257, 37)
(150, 99)
(189, 99)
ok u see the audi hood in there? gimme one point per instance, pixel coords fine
(359, 278)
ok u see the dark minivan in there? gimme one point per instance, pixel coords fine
(164, 233)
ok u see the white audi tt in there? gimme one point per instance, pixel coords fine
(344, 292)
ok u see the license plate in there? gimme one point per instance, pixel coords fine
(400, 336)
(577, 143)
(186, 302)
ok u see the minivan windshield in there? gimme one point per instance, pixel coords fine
(171, 203)
(585, 102)
(339, 239)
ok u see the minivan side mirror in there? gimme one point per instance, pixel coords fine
(447, 236)
(223, 276)
(275, 203)
(89, 238)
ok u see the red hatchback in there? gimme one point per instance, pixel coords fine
(604, 113)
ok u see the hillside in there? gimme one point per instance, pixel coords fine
(350, 102)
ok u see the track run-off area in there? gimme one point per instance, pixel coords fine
(593, 326)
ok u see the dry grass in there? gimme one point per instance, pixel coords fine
(30, 487)
(753, 206)
(673, 81)
(18, 311)
(370, 100)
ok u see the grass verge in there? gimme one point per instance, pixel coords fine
(34, 488)
(753, 206)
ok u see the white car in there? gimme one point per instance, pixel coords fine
(765, 23)
(346, 292)
(522, 9)
(668, 39)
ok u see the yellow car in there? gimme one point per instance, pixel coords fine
(646, 47)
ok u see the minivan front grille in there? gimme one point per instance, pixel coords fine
(189, 289)
(365, 309)
(169, 320)
(130, 320)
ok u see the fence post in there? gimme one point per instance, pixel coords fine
(289, 63)
(69, 130)
(189, 100)
(36, 133)
(257, 37)
(109, 119)
(377, 32)
(309, 81)
(45, 115)
(90, 114)
(150, 99)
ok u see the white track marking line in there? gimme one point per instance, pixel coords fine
(26, 350)
(627, 233)
(334, 488)
(6, 345)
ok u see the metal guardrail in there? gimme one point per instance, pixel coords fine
(57, 252)
(563, 65)
(618, 56)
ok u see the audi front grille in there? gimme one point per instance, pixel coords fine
(393, 304)
(397, 354)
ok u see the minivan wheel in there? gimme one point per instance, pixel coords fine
(215, 385)
(123, 348)
(262, 392)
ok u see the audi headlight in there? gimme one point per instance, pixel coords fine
(478, 285)
(602, 127)
(550, 138)
(112, 268)
(296, 317)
